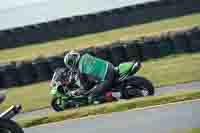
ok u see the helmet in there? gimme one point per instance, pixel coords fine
(71, 59)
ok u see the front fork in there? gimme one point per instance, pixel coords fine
(61, 102)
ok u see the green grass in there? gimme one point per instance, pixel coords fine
(110, 107)
(163, 71)
(31, 97)
(173, 69)
(194, 130)
(132, 32)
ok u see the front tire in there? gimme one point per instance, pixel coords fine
(138, 87)
(9, 126)
(56, 105)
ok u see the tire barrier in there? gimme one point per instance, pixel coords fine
(42, 69)
(132, 50)
(55, 62)
(90, 50)
(180, 42)
(165, 46)
(2, 82)
(101, 21)
(194, 39)
(149, 49)
(26, 72)
(103, 52)
(9, 75)
(118, 53)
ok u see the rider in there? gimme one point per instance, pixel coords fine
(91, 69)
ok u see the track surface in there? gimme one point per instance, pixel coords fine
(164, 119)
(162, 90)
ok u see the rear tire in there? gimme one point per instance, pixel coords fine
(54, 104)
(9, 126)
(139, 86)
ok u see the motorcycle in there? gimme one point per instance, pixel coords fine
(6, 124)
(126, 85)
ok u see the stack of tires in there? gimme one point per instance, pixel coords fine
(8, 75)
(118, 53)
(165, 45)
(180, 41)
(194, 39)
(2, 81)
(133, 51)
(26, 72)
(103, 52)
(89, 50)
(149, 49)
(55, 62)
(43, 71)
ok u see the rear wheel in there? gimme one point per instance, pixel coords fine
(138, 87)
(9, 126)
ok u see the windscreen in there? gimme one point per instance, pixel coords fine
(59, 75)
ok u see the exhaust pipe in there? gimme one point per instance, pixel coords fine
(11, 112)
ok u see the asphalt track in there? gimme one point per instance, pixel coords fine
(26, 12)
(162, 119)
(158, 91)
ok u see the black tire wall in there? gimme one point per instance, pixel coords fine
(118, 53)
(55, 62)
(9, 75)
(41, 69)
(181, 42)
(2, 82)
(103, 52)
(133, 50)
(98, 22)
(26, 72)
(194, 39)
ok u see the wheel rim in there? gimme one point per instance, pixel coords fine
(144, 92)
(5, 130)
(59, 106)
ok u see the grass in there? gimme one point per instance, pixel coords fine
(172, 69)
(132, 32)
(164, 71)
(32, 97)
(110, 107)
(193, 130)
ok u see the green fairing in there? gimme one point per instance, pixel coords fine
(54, 92)
(124, 68)
(62, 103)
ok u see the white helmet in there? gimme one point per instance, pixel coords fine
(71, 59)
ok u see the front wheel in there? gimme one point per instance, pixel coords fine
(138, 87)
(57, 104)
(9, 126)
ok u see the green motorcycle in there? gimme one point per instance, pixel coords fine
(127, 85)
